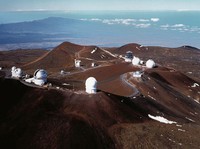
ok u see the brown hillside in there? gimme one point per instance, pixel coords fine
(58, 58)
(62, 57)
(64, 119)
(184, 59)
(121, 115)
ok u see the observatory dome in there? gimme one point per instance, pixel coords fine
(137, 74)
(16, 72)
(91, 85)
(40, 74)
(13, 68)
(150, 63)
(136, 61)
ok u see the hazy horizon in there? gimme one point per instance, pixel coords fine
(106, 22)
(37, 5)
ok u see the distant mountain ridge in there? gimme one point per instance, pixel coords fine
(52, 29)
(47, 25)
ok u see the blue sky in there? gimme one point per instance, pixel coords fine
(12, 5)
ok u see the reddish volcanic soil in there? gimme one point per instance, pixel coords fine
(118, 116)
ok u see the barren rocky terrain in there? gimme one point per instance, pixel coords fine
(161, 109)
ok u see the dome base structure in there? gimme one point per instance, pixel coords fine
(91, 91)
(91, 85)
(39, 82)
(136, 61)
(150, 63)
(40, 77)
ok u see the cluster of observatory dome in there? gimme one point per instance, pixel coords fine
(40, 75)
(137, 61)
(40, 78)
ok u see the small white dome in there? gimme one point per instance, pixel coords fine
(91, 85)
(137, 74)
(136, 61)
(150, 63)
(13, 68)
(62, 72)
(40, 74)
(18, 71)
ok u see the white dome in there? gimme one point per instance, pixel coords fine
(136, 61)
(18, 71)
(91, 85)
(150, 63)
(62, 72)
(13, 68)
(40, 74)
(137, 74)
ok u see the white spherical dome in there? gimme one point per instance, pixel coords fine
(18, 71)
(40, 74)
(136, 61)
(91, 82)
(13, 68)
(150, 63)
(91, 85)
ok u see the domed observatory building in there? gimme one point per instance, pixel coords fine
(150, 63)
(137, 74)
(13, 71)
(91, 85)
(77, 63)
(39, 77)
(128, 56)
(136, 61)
(16, 72)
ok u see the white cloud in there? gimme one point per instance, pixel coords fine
(140, 23)
(143, 20)
(106, 21)
(83, 19)
(165, 26)
(181, 28)
(95, 19)
(143, 25)
(178, 25)
(155, 19)
(118, 21)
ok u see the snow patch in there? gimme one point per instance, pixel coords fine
(181, 130)
(178, 125)
(190, 119)
(195, 85)
(93, 51)
(152, 97)
(65, 84)
(161, 119)
(196, 101)
(180, 144)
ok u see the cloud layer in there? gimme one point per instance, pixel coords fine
(181, 28)
(138, 23)
(146, 23)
